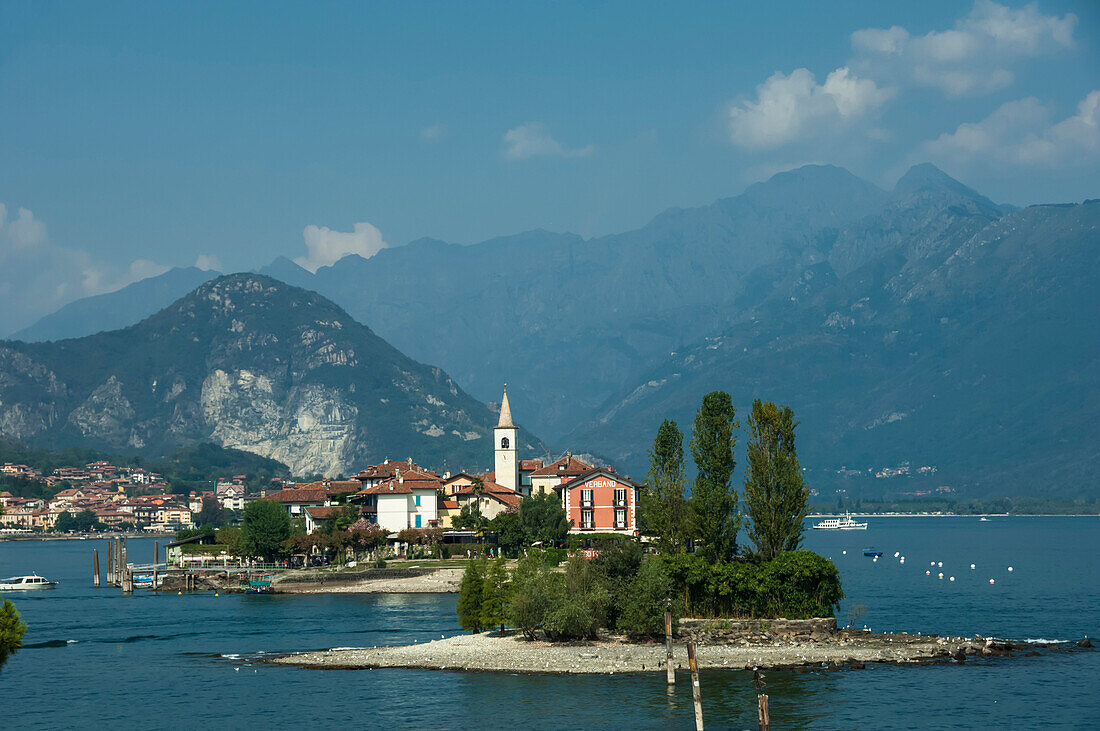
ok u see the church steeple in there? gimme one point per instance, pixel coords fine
(506, 448)
(505, 411)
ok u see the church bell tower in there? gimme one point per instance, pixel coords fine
(507, 448)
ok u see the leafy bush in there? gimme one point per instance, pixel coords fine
(582, 609)
(555, 556)
(495, 588)
(535, 591)
(795, 585)
(643, 605)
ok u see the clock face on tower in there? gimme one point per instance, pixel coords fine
(504, 443)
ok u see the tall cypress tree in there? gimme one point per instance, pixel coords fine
(775, 493)
(713, 499)
(471, 590)
(664, 507)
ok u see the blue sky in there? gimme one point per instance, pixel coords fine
(140, 136)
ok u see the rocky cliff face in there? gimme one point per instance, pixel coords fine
(250, 363)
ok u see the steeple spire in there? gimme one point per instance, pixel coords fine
(505, 411)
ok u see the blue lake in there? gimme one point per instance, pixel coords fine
(98, 659)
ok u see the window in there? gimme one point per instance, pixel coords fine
(504, 443)
(620, 496)
(587, 519)
(417, 521)
(418, 501)
(620, 517)
(586, 496)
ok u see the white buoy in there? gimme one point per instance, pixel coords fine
(844, 553)
(940, 564)
(927, 573)
(932, 564)
(941, 574)
(897, 553)
(991, 581)
(1009, 568)
(874, 560)
(952, 578)
(972, 567)
(902, 559)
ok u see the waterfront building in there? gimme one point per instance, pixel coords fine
(600, 501)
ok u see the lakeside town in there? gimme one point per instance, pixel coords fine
(393, 495)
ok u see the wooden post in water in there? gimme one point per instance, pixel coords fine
(95, 567)
(670, 672)
(696, 693)
(127, 578)
(110, 563)
(156, 560)
(762, 712)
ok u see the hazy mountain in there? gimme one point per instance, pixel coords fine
(250, 363)
(817, 288)
(946, 336)
(120, 308)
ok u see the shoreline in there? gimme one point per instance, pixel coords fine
(486, 652)
(442, 580)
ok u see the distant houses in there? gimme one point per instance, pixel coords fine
(395, 495)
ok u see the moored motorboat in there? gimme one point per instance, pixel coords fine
(25, 583)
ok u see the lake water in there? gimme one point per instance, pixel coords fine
(98, 659)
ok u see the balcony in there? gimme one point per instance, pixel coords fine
(621, 503)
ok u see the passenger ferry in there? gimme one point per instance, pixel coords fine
(845, 523)
(23, 583)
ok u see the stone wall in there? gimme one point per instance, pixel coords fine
(755, 631)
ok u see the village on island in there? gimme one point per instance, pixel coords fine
(394, 495)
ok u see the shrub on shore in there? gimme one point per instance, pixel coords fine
(794, 585)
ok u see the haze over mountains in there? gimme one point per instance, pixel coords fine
(922, 325)
(250, 363)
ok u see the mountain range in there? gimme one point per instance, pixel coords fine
(249, 363)
(919, 327)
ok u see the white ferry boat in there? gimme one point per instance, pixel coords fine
(23, 583)
(845, 523)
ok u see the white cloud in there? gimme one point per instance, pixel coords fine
(325, 246)
(534, 140)
(1021, 133)
(208, 262)
(794, 107)
(37, 276)
(973, 57)
(434, 132)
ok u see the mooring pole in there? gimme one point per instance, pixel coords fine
(762, 712)
(127, 580)
(95, 567)
(156, 560)
(696, 693)
(670, 672)
(110, 563)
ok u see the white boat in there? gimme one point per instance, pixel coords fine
(24, 583)
(845, 523)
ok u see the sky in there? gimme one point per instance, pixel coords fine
(140, 136)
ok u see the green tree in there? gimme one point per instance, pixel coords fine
(231, 539)
(775, 494)
(642, 613)
(509, 530)
(581, 609)
(713, 499)
(212, 513)
(470, 518)
(494, 595)
(470, 593)
(264, 527)
(543, 519)
(663, 505)
(536, 590)
(12, 629)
